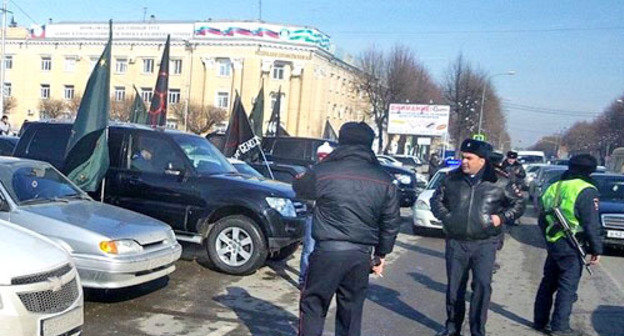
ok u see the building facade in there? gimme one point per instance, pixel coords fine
(209, 62)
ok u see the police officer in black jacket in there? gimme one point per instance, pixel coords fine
(514, 168)
(356, 214)
(473, 203)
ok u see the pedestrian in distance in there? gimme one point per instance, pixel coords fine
(473, 203)
(576, 196)
(356, 215)
(434, 164)
(308, 241)
(5, 127)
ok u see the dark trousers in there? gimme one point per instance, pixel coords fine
(461, 258)
(562, 274)
(344, 273)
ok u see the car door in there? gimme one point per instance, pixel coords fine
(153, 179)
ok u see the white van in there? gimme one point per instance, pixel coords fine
(531, 157)
(40, 292)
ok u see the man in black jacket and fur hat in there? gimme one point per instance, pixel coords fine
(356, 214)
(473, 203)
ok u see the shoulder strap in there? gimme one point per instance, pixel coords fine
(558, 194)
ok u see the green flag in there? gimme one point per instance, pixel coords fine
(138, 114)
(256, 118)
(86, 155)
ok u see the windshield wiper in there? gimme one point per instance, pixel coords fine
(77, 196)
(43, 200)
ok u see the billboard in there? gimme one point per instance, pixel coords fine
(414, 119)
(261, 30)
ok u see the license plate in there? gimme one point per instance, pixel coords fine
(615, 234)
(63, 323)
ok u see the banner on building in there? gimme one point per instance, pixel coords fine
(415, 119)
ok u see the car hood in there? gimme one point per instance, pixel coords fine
(23, 252)
(270, 187)
(103, 219)
(612, 207)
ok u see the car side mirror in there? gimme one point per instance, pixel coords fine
(173, 170)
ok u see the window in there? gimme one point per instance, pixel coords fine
(146, 94)
(7, 89)
(70, 63)
(45, 91)
(174, 96)
(152, 154)
(225, 67)
(148, 65)
(278, 71)
(291, 149)
(8, 62)
(176, 66)
(223, 100)
(202, 154)
(121, 65)
(46, 63)
(120, 93)
(69, 92)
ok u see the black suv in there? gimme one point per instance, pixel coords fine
(183, 180)
(302, 151)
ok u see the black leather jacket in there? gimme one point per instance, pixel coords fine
(465, 208)
(516, 171)
(356, 200)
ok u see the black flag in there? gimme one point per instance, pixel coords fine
(158, 107)
(239, 138)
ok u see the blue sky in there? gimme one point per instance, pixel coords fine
(568, 55)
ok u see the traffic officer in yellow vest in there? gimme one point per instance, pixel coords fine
(577, 198)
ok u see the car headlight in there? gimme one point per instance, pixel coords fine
(282, 205)
(403, 179)
(125, 246)
(171, 238)
(422, 205)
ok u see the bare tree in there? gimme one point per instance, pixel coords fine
(72, 105)
(373, 82)
(53, 108)
(200, 118)
(10, 103)
(120, 109)
(548, 144)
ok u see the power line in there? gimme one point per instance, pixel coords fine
(490, 31)
(549, 111)
(24, 12)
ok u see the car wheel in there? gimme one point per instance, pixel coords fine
(284, 253)
(236, 246)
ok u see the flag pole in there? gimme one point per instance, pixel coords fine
(266, 162)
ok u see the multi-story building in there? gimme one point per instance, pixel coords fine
(209, 62)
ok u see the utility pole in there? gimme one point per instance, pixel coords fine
(2, 64)
(144, 13)
(260, 10)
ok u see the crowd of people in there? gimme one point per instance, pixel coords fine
(356, 219)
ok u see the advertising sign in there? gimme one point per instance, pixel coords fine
(413, 119)
(121, 31)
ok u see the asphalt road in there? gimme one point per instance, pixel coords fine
(408, 300)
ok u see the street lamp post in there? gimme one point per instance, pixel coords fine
(487, 80)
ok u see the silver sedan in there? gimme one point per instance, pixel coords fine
(112, 247)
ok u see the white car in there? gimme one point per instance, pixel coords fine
(40, 291)
(423, 217)
(389, 160)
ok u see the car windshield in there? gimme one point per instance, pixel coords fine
(531, 159)
(611, 188)
(436, 180)
(37, 184)
(245, 169)
(205, 157)
(406, 160)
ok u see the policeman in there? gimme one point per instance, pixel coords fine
(577, 198)
(473, 203)
(356, 214)
(514, 168)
